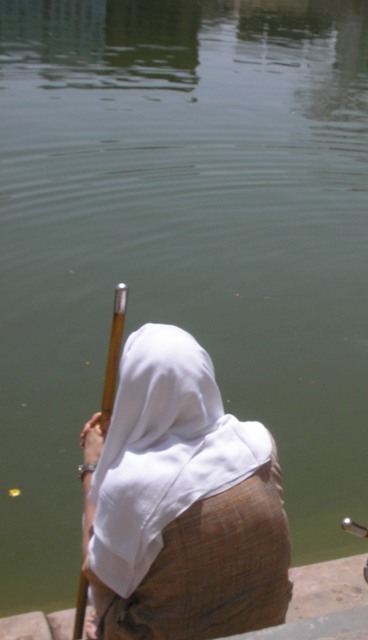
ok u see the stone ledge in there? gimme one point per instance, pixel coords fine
(326, 587)
(26, 626)
(62, 623)
(327, 595)
(341, 625)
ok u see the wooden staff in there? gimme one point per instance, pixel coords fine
(111, 373)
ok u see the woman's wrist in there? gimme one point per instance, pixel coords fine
(86, 469)
(90, 459)
(93, 445)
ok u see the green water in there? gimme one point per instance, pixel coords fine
(214, 157)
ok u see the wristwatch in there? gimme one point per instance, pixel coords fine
(85, 468)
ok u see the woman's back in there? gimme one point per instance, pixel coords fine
(223, 569)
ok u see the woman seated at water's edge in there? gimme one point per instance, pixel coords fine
(190, 539)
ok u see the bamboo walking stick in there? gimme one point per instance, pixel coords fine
(112, 364)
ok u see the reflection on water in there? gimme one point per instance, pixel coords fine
(327, 39)
(213, 155)
(337, 90)
(144, 45)
(126, 44)
(55, 31)
(129, 42)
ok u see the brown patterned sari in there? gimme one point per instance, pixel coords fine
(223, 569)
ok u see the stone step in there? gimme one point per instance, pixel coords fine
(37, 625)
(27, 625)
(341, 625)
(330, 602)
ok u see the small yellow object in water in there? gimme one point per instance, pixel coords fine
(13, 493)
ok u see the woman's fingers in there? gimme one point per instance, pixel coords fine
(93, 423)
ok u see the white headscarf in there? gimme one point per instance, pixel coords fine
(169, 444)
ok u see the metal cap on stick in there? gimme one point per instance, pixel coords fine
(112, 364)
(121, 294)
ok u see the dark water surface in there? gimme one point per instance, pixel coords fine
(213, 155)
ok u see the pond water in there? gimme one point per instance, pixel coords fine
(213, 156)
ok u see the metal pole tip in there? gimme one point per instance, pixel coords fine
(121, 294)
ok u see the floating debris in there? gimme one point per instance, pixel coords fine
(14, 493)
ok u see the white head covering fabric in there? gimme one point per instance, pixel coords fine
(169, 444)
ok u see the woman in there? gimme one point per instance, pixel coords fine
(189, 539)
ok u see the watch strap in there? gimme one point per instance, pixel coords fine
(85, 468)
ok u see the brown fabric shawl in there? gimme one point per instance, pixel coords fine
(223, 569)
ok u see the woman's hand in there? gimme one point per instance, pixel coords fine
(92, 439)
